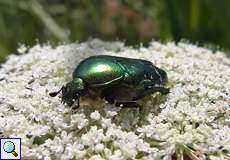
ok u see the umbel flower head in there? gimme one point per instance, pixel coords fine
(192, 121)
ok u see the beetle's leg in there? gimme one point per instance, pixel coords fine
(128, 104)
(152, 89)
(107, 95)
(74, 107)
(110, 100)
(150, 86)
(77, 98)
(162, 90)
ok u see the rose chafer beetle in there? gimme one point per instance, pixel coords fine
(118, 80)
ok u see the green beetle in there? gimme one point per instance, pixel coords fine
(118, 80)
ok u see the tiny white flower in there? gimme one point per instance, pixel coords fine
(95, 115)
(117, 155)
(93, 136)
(99, 147)
(96, 157)
(80, 154)
(129, 151)
(22, 49)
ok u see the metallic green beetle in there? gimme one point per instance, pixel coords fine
(118, 80)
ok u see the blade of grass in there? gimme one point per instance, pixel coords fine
(93, 12)
(194, 14)
(48, 21)
(37, 9)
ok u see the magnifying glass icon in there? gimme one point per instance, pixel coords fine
(9, 147)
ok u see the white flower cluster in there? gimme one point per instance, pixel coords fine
(192, 121)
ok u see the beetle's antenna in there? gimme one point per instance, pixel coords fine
(53, 94)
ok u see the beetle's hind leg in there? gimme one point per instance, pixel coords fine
(162, 90)
(125, 104)
(128, 104)
(152, 89)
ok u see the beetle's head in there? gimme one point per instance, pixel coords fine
(71, 91)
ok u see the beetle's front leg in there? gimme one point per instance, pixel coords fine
(78, 102)
(74, 107)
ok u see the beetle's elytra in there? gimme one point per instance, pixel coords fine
(118, 80)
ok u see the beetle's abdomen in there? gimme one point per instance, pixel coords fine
(98, 71)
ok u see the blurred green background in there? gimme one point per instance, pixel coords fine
(204, 22)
